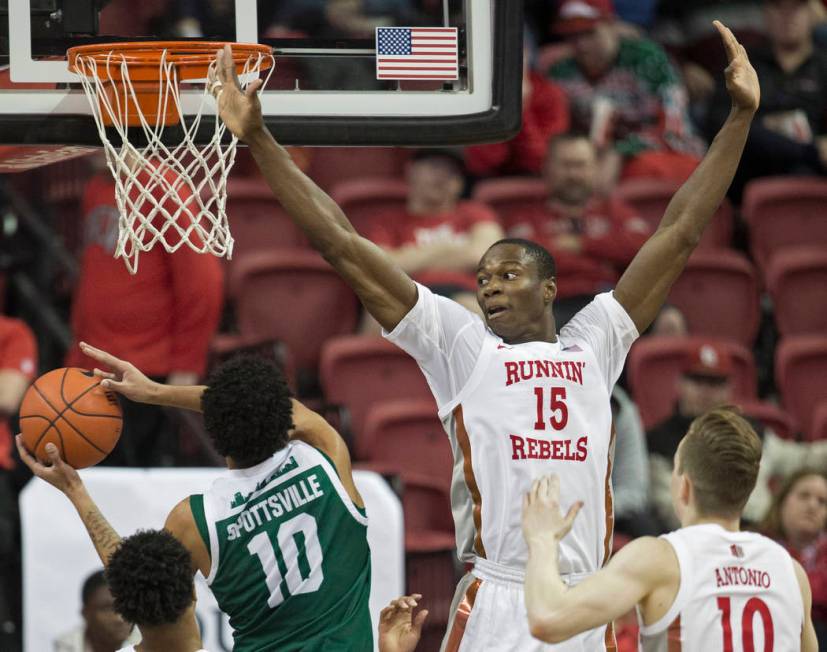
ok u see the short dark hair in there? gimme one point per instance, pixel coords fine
(150, 577)
(91, 584)
(721, 454)
(546, 266)
(247, 409)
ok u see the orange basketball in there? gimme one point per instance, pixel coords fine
(70, 409)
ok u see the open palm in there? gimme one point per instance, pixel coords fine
(741, 78)
(238, 108)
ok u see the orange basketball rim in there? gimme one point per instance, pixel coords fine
(135, 74)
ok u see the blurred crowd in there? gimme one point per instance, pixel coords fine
(619, 101)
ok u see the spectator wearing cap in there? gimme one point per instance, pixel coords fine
(789, 133)
(705, 384)
(627, 95)
(439, 238)
(592, 236)
(545, 114)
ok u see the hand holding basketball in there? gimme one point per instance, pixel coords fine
(239, 108)
(542, 518)
(125, 378)
(57, 473)
(741, 78)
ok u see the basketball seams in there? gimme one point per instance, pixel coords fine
(59, 415)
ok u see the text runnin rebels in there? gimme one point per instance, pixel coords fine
(516, 372)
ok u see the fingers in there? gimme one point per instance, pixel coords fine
(253, 87)
(103, 374)
(226, 67)
(574, 510)
(731, 45)
(102, 356)
(419, 621)
(27, 457)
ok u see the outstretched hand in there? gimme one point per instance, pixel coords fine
(399, 631)
(124, 377)
(542, 517)
(57, 472)
(238, 108)
(741, 78)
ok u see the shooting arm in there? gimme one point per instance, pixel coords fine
(102, 534)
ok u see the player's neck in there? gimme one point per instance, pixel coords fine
(730, 524)
(181, 635)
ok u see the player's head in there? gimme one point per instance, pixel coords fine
(247, 410)
(103, 624)
(150, 576)
(589, 26)
(515, 289)
(798, 513)
(706, 379)
(436, 179)
(789, 23)
(715, 466)
(571, 169)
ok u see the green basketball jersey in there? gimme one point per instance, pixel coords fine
(290, 563)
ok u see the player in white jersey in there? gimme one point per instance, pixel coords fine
(707, 587)
(516, 399)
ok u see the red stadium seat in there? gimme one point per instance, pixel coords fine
(365, 201)
(718, 295)
(654, 367)
(783, 212)
(295, 297)
(509, 196)
(429, 546)
(771, 416)
(801, 377)
(651, 197)
(332, 165)
(797, 282)
(409, 434)
(819, 429)
(357, 372)
(257, 220)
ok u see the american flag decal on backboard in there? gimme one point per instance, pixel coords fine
(416, 53)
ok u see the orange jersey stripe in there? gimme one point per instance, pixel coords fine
(461, 617)
(470, 480)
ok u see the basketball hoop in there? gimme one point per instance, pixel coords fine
(167, 194)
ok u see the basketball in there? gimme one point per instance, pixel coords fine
(70, 409)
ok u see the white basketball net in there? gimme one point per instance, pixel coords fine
(166, 195)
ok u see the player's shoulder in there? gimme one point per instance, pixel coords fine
(653, 555)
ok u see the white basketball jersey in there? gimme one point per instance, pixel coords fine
(738, 593)
(516, 412)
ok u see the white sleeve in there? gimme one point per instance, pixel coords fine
(606, 328)
(444, 338)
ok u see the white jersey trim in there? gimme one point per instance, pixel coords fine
(473, 380)
(684, 570)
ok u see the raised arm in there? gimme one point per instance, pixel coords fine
(644, 286)
(556, 612)
(64, 478)
(385, 290)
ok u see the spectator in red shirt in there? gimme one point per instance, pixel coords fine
(439, 238)
(18, 365)
(545, 114)
(592, 237)
(163, 317)
(797, 519)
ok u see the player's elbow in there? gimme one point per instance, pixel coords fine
(548, 626)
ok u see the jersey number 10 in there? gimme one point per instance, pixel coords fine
(753, 606)
(303, 563)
